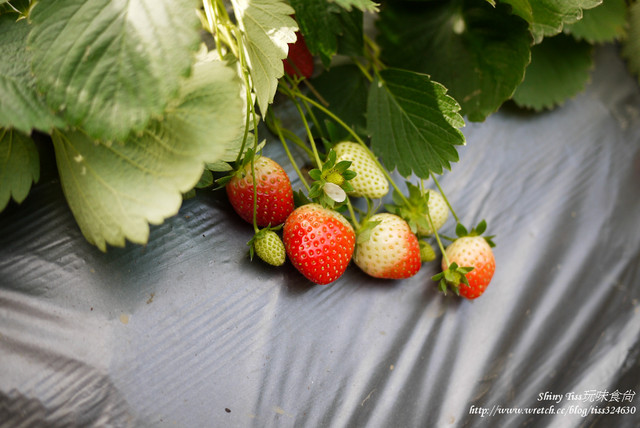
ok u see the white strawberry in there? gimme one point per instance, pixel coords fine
(438, 211)
(369, 181)
(391, 250)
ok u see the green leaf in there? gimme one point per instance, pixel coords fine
(315, 174)
(363, 5)
(345, 89)
(550, 16)
(109, 66)
(219, 166)
(19, 166)
(115, 190)
(328, 28)
(268, 29)
(601, 24)
(631, 44)
(521, 8)
(413, 123)
(21, 106)
(559, 69)
(351, 36)
(478, 52)
(206, 180)
(461, 230)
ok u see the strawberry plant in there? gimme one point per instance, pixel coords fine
(146, 101)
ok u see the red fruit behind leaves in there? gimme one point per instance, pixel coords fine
(299, 58)
(472, 251)
(274, 193)
(319, 242)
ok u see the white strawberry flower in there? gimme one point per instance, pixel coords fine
(335, 192)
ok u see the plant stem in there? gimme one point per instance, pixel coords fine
(435, 232)
(435, 180)
(212, 20)
(314, 119)
(296, 140)
(12, 7)
(353, 215)
(363, 70)
(356, 137)
(309, 134)
(275, 126)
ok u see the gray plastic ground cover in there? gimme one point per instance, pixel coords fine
(186, 332)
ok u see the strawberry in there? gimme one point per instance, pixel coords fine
(269, 247)
(438, 210)
(299, 61)
(471, 252)
(274, 192)
(369, 180)
(391, 251)
(319, 242)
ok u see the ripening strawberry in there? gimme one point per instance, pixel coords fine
(319, 242)
(269, 247)
(438, 210)
(370, 180)
(392, 250)
(472, 251)
(274, 193)
(299, 61)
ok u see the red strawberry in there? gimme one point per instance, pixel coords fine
(274, 193)
(319, 242)
(391, 251)
(299, 62)
(475, 252)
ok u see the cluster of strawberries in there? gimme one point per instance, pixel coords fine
(320, 242)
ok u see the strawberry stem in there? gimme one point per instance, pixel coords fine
(250, 115)
(212, 19)
(364, 71)
(355, 136)
(309, 134)
(276, 127)
(435, 233)
(354, 220)
(435, 180)
(372, 53)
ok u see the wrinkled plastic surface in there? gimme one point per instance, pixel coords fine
(186, 332)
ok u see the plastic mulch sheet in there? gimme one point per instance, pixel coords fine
(187, 332)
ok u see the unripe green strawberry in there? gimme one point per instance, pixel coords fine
(369, 181)
(438, 211)
(475, 252)
(269, 247)
(392, 250)
(427, 253)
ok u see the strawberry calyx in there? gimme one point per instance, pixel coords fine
(240, 168)
(413, 208)
(331, 182)
(478, 230)
(452, 278)
(427, 253)
(363, 234)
